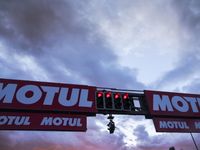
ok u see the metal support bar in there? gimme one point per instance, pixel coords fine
(194, 141)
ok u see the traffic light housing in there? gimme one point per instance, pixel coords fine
(120, 102)
(100, 99)
(113, 101)
(108, 100)
(117, 101)
(126, 102)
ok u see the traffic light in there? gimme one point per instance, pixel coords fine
(111, 101)
(126, 101)
(108, 100)
(100, 99)
(117, 101)
(111, 127)
(111, 124)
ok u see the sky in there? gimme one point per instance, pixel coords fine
(128, 44)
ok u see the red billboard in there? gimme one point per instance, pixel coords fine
(173, 104)
(177, 125)
(46, 96)
(42, 121)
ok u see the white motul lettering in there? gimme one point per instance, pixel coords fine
(19, 120)
(72, 121)
(65, 121)
(84, 102)
(197, 125)
(57, 121)
(63, 97)
(162, 104)
(173, 124)
(176, 124)
(79, 124)
(51, 91)
(192, 102)
(3, 120)
(61, 121)
(36, 94)
(182, 125)
(11, 120)
(185, 124)
(7, 93)
(22, 120)
(31, 94)
(163, 124)
(26, 121)
(14, 120)
(170, 124)
(177, 100)
(46, 121)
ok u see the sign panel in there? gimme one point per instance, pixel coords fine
(31, 95)
(173, 104)
(41, 121)
(177, 125)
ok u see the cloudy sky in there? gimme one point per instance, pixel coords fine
(129, 44)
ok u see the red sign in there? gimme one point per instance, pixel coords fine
(177, 125)
(30, 95)
(41, 121)
(173, 104)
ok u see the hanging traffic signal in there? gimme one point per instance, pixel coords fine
(111, 127)
(126, 101)
(108, 100)
(117, 101)
(100, 99)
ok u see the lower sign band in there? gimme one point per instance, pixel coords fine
(42, 121)
(176, 125)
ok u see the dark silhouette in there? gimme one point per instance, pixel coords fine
(172, 148)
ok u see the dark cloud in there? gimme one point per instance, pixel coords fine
(189, 14)
(62, 43)
(186, 67)
(33, 25)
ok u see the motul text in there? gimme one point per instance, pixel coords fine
(173, 104)
(42, 121)
(16, 94)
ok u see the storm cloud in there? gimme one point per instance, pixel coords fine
(119, 44)
(61, 43)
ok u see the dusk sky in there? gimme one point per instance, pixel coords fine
(128, 44)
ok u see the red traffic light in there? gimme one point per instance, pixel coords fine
(125, 96)
(100, 94)
(117, 95)
(108, 95)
